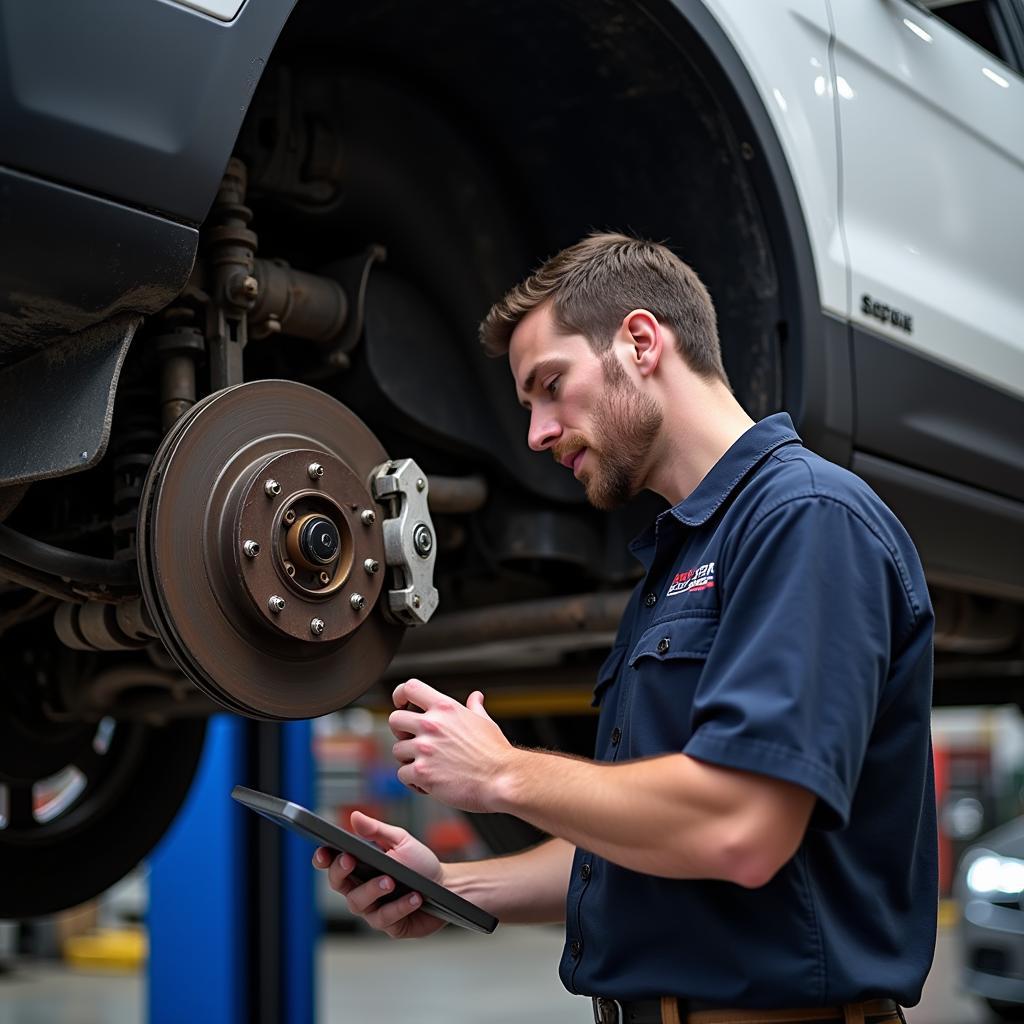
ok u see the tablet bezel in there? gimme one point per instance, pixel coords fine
(438, 901)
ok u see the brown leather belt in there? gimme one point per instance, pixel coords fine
(669, 1010)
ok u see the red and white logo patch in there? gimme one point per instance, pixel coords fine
(692, 580)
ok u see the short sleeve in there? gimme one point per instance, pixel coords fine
(792, 683)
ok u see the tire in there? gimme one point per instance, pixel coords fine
(114, 823)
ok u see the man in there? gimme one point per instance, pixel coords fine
(758, 830)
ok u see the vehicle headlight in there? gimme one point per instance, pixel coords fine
(992, 875)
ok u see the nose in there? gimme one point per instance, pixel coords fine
(544, 429)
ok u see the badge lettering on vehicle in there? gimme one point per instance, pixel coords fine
(692, 580)
(887, 314)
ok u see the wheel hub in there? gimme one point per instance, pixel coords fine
(312, 545)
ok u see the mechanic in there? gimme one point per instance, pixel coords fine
(757, 832)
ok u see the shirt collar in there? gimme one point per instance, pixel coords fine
(724, 476)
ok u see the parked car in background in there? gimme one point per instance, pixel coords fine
(251, 442)
(990, 891)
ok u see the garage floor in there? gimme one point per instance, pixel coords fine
(454, 978)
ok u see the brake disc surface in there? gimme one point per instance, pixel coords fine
(261, 551)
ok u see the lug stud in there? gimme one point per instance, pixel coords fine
(317, 626)
(371, 565)
(276, 604)
(315, 470)
(358, 602)
(272, 488)
(368, 517)
(251, 548)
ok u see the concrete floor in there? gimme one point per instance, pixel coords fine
(455, 978)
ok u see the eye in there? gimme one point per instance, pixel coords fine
(552, 384)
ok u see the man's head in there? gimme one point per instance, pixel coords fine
(586, 335)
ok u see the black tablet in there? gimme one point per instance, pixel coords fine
(370, 860)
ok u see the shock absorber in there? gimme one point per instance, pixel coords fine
(179, 346)
(133, 442)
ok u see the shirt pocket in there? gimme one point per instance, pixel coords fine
(666, 664)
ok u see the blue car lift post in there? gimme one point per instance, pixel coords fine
(232, 910)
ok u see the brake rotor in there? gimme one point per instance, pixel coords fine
(261, 551)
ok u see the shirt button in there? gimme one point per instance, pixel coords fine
(663, 644)
(651, 600)
(585, 872)
(616, 736)
(576, 949)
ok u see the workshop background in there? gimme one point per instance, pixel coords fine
(91, 965)
(249, 442)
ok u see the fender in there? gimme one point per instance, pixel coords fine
(138, 99)
(818, 381)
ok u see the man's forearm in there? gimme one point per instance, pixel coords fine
(670, 816)
(523, 888)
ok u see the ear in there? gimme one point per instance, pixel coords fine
(647, 338)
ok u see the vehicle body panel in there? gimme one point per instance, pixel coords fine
(151, 123)
(796, 88)
(932, 187)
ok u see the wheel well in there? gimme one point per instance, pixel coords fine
(475, 141)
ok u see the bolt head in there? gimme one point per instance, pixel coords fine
(423, 540)
(250, 287)
(421, 484)
(289, 568)
(289, 516)
(371, 565)
(317, 626)
(272, 488)
(276, 604)
(358, 602)
(416, 601)
(315, 470)
(325, 578)
(251, 548)
(368, 517)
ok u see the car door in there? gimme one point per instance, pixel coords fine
(931, 120)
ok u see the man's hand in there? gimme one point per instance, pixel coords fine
(401, 918)
(454, 753)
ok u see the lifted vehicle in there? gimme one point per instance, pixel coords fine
(246, 249)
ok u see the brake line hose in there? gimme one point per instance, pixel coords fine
(65, 565)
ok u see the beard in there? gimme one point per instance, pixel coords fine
(626, 424)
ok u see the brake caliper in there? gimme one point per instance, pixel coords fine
(409, 545)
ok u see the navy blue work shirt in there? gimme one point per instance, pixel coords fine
(783, 627)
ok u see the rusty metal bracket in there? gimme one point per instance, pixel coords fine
(409, 545)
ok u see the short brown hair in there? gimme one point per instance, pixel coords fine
(593, 284)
